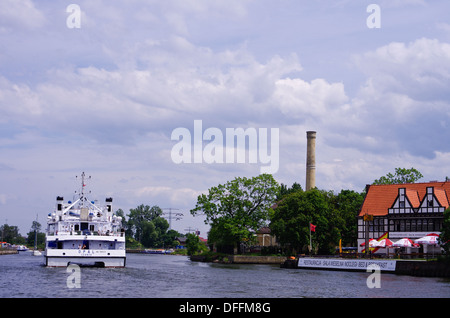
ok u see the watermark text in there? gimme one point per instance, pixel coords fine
(74, 279)
(210, 146)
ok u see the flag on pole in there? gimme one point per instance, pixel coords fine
(312, 227)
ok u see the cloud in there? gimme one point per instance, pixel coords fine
(20, 14)
(300, 99)
(420, 69)
(405, 99)
(105, 98)
(173, 196)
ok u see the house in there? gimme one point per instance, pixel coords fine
(411, 210)
(264, 238)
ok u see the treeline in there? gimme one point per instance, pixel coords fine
(10, 234)
(238, 209)
(145, 227)
(334, 219)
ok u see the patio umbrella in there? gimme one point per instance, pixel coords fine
(372, 243)
(384, 243)
(430, 239)
(405, 242)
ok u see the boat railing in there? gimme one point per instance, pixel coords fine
(94, 233)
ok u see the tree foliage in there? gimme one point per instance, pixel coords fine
(401, 176)
(10, 234)
(237, 209)
(147, 226)
(194, 245)
(444, 237)
(333, 215)
(348, 203)
(36, 226)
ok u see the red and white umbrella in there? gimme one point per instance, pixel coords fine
(384, 243)
(430, 239)
(372, 243)
(405, 242)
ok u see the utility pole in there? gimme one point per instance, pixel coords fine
(177, 216)
(190, 229)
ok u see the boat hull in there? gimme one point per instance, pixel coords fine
(52, 261)
(99, 258)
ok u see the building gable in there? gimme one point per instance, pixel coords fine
(431, 197)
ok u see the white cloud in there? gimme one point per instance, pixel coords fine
(301, 99)
(106, 97)
(420, 68)
(20, 14)
(405, 98)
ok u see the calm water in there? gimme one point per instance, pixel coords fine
(165, 276)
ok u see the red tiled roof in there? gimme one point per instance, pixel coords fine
(413, 197)
(379, 198)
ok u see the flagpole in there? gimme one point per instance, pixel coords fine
(310, 243)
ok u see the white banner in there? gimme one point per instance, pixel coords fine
(354, 264)
(411, 235)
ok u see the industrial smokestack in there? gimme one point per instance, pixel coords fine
(310, 160)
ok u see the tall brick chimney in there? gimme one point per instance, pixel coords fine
(310, 160)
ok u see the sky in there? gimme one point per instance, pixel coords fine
(102, 86)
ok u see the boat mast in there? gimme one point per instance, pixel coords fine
(35, 233)
(83, 184)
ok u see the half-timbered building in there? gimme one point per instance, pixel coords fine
(410, 210)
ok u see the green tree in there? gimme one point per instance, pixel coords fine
(444, 237)
(348, 203)
(170, 238)
(292, 217)
(10, 234)
(149, 236)
(194, 245)
(401, 176)
(238, 208)
(284, 190)
(138, 219)
(36, 226)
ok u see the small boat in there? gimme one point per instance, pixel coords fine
(22, 248)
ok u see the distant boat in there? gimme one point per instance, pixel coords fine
(157, 251)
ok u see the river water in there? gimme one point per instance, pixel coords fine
(168, 276)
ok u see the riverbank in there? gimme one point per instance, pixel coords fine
(238, 259)
(420, 268)
(8, 252)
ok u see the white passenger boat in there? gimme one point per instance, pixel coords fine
(84, 233)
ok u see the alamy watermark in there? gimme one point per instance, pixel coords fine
(374, 279)
(74, 279)
(234, 148)
(73, 21)
(374, 19)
